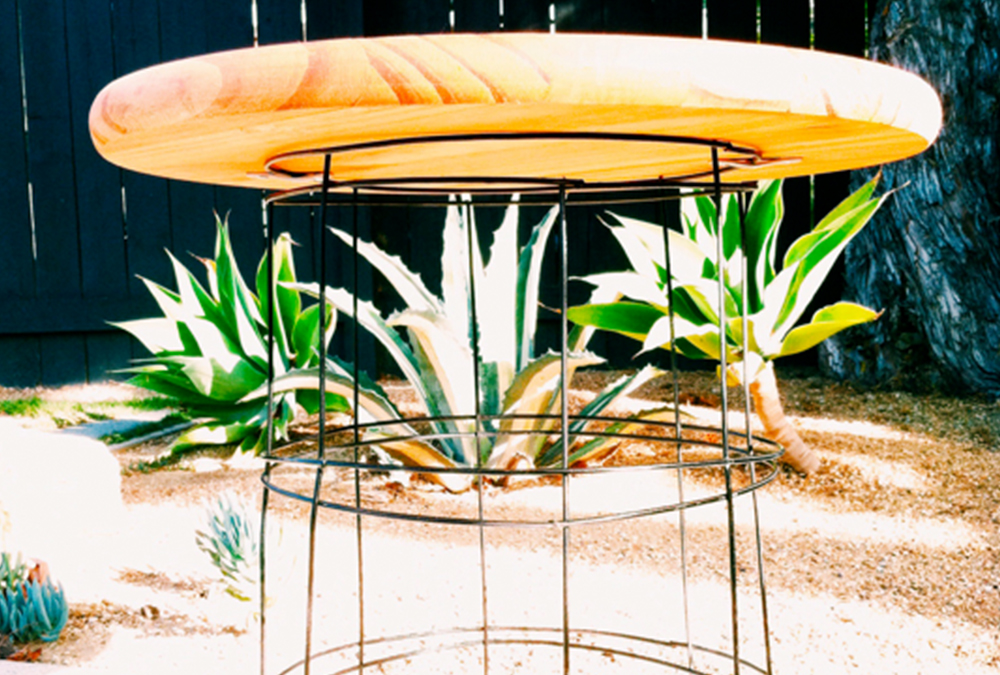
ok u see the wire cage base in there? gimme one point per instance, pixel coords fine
(521, 650)
(363, 572)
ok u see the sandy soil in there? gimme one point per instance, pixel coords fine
(885, 561)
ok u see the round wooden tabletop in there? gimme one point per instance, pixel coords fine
(485, 107)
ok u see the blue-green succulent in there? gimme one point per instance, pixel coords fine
(31, 608)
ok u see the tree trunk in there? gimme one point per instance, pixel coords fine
(767, 404)
(931, 256)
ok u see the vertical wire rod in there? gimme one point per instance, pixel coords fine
(262, 554)
(678, 430)
(321, 451)
(723, 365)
(356, 403)
(564, 375)
(749, 436)
(471, 242)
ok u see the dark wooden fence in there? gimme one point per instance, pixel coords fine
(76, 231)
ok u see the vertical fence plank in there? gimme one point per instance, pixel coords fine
(592, 247)
(102, 234)
(732, 20)
(107, 352)
(580, 16)
(19, 363)
(50, 143)
(17, 274)
(403, 17)
(651, 17)
(334, 18)
(64, 358)
(190, 28)
(840, 26)
(278, 21)
(477, 15)
(681, 17)
(341, 18)
(785, 22)
(50, 170)
(91, 66)
(665, 17)
(526, 15)
(230, 24)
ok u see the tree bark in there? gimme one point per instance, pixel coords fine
(931, 257)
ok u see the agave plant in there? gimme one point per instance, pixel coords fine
(432, 341)
(772, 300)
(209, 349)
(230, 540)
(32, 607)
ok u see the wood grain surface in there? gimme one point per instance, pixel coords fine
(222, 117)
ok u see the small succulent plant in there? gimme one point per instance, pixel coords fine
(230, 540)
(32, 607)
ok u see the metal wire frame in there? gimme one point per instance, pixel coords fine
(570, 639)
(623, 645)
(746, 458)
(746, 157)
(535, 189)
(633, 192)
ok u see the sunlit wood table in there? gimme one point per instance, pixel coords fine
(594, 108)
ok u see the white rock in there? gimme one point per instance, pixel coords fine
(60, 501)
(205, 465)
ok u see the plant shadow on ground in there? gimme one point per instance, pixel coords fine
(918, 473)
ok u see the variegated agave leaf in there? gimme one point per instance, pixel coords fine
(408, 284)
(445, 362)
(456, 285)
(528, 278)
(826, 322)
(404, 357)
(414, 452)
(621, 387)
(496, 305)
(530, 406)
(602, 446)
(401, 443)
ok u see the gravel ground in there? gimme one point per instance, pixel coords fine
(887, 560)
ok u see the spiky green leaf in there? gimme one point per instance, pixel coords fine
(611, 393)
(408, 284)
(826, 322)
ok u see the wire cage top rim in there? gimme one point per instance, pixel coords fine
(536, 187)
